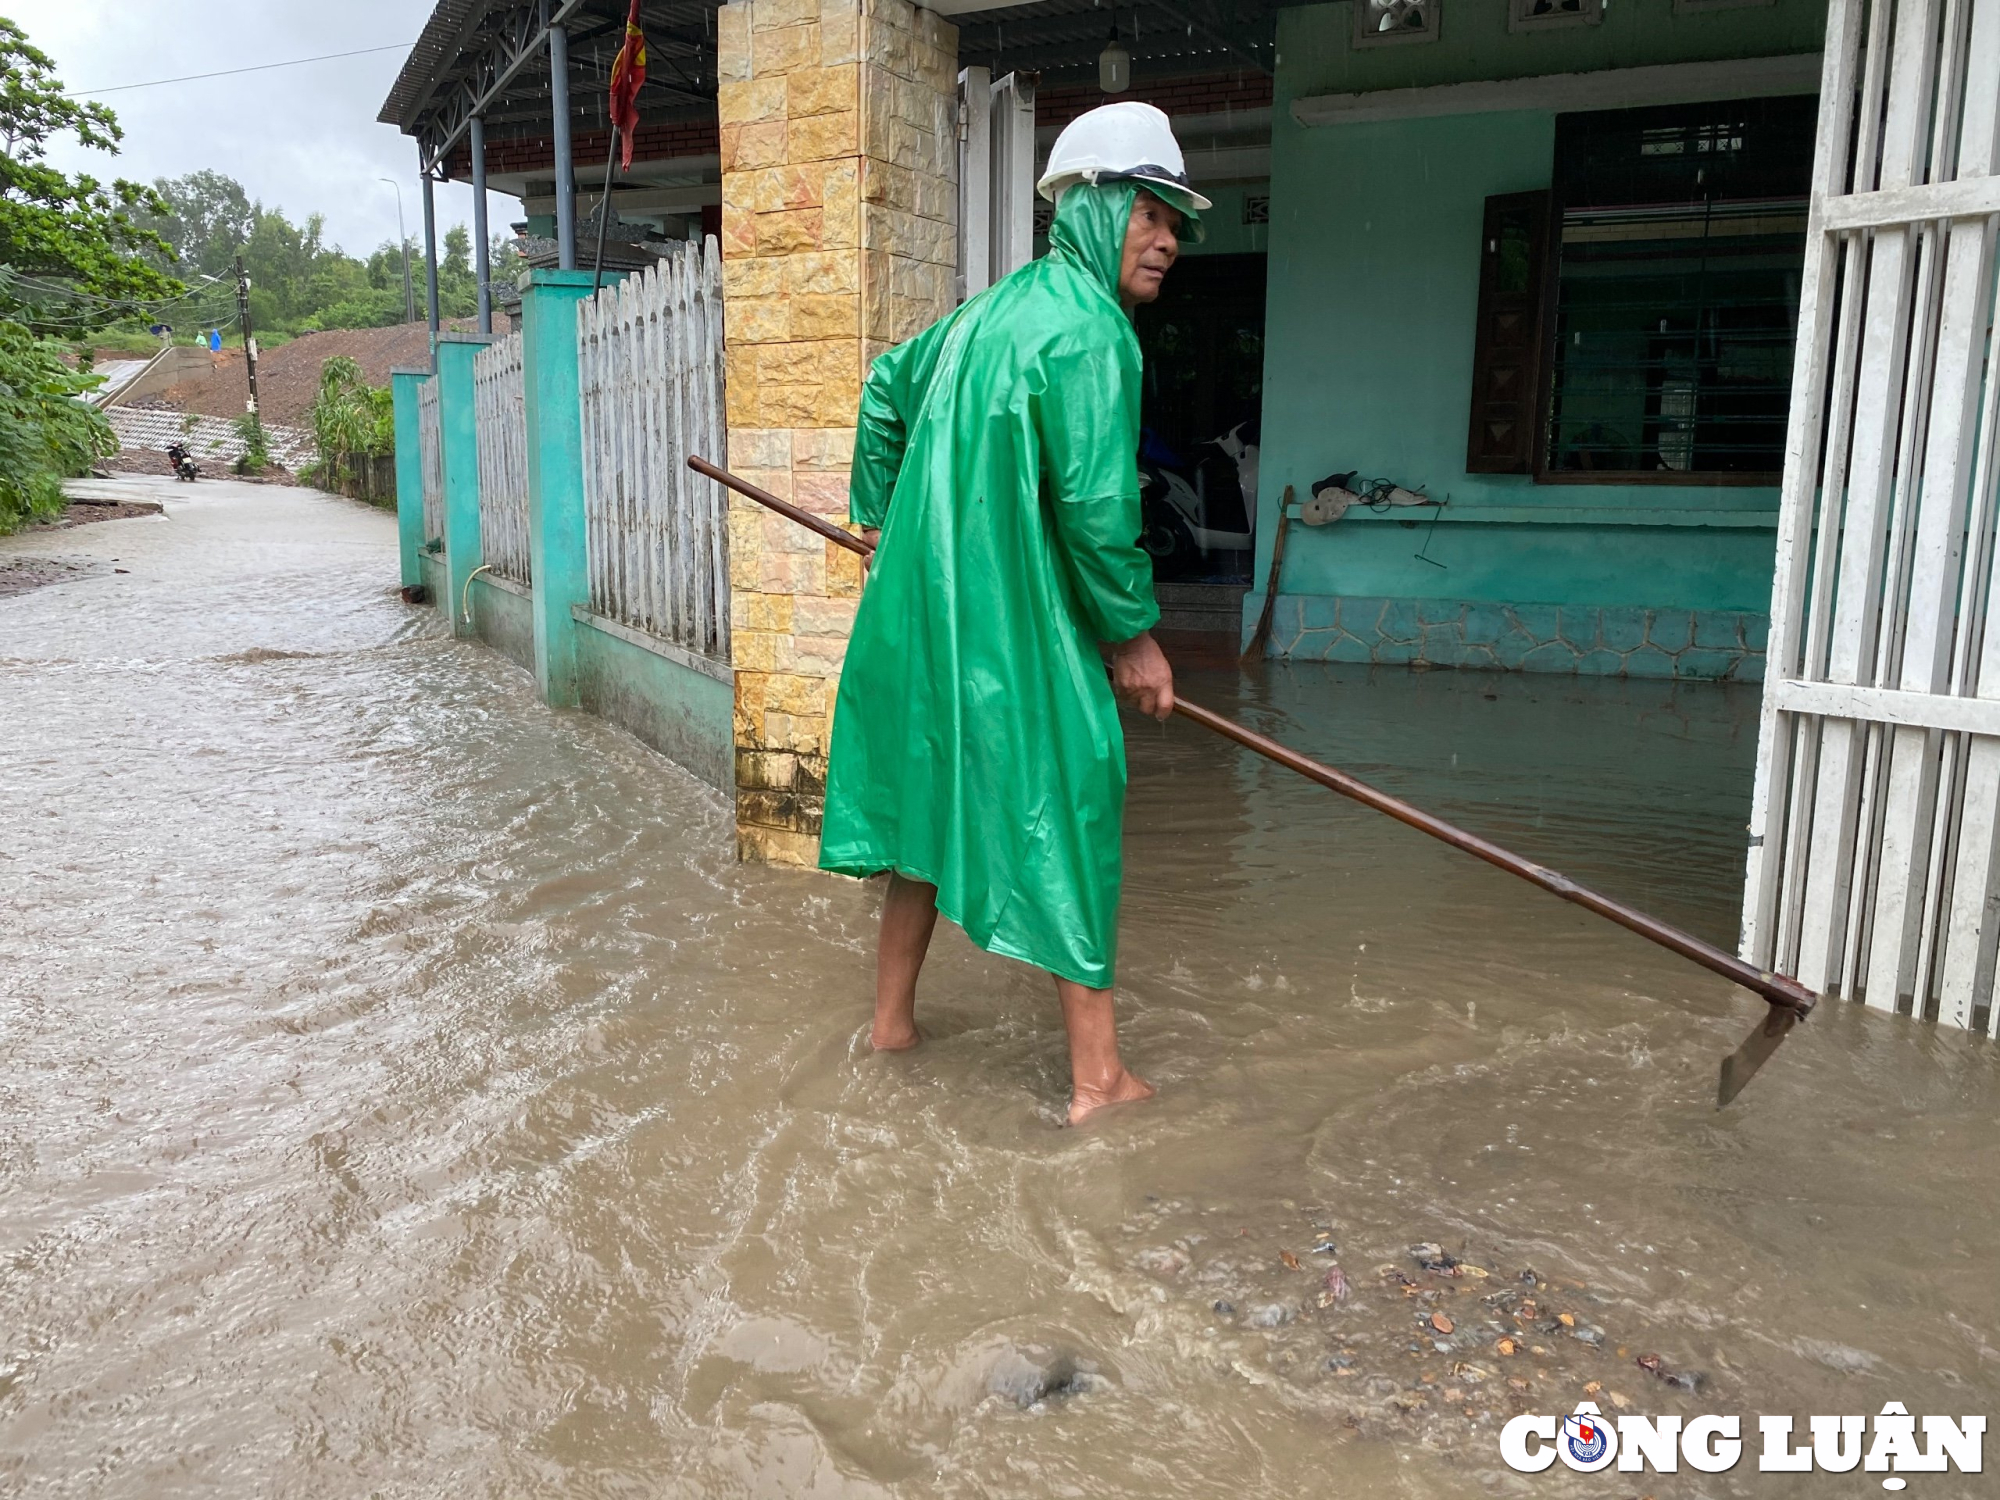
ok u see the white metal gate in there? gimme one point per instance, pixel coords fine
(501, 417)
(1872, 868)
(430, 457)
(649, 373)
(996, 177)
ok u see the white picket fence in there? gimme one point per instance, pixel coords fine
(650, 376)
(430, 453)
(1874, 871)
(500, 411)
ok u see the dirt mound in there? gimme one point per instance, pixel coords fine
(288, 376)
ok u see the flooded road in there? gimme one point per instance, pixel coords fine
(403, 1092)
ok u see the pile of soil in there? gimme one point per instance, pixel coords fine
(288, 376)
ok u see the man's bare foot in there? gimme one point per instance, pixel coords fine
(1128, 1088)
(891, 1037)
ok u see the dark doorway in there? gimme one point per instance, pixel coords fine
(1204, 349)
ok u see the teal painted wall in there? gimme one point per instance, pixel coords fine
(403, 387)
(1223, 226)
(504, 620)
(686, 715)
(1374, 251)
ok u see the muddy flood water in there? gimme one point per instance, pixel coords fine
(404, 1092)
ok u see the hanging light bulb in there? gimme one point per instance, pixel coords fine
(1114, 65)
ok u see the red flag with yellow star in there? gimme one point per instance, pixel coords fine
(628, 76)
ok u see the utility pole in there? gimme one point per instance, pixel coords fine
(403, 244)
(249, 337)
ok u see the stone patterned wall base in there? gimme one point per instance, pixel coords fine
(1598, 641)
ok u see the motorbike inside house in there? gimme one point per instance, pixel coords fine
(1204, 349)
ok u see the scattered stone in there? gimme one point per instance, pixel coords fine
(1226, 1309)
(1432, 1257)
(1029, 1373)
(1589, 1334)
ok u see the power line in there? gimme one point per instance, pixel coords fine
(232, 72)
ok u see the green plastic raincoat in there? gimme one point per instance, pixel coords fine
(976, 742)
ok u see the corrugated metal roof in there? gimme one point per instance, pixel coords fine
(435, 52)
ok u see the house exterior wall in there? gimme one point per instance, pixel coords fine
(1374, 266)
(839, 158)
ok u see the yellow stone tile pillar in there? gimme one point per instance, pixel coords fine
(839, 206)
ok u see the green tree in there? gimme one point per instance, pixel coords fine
(72, 249)
(46, 433)
(206, 219)
(458, 286)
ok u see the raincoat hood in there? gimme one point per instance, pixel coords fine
(1089, 228)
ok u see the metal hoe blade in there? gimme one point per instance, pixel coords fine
(1741, 1065)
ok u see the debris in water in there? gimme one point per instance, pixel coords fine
(1336, 1284)
(1432, 1257)
(1528, 1278)
(1568, 1320)
(1507, 1347)
(1441, 1323)
(1324, 1247)
(1291, 1261)
(1227, 1309)
(1269, 1315)
(1161, 1260)
(1680, 1380)
(1589, 1334)
(1592, 1387)
(1028, 1374)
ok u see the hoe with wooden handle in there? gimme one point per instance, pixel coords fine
(1790, 1001)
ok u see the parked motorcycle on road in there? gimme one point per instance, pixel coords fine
(182, 461)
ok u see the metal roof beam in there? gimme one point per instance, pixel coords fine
(521, 40)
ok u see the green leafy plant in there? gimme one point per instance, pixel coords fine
(256, 452)
(350, 418)
(46, 433)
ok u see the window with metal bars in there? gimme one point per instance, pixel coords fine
(1674, 291)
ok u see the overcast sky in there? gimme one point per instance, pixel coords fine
(303, 138)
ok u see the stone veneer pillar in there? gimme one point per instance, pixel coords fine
(839, 137)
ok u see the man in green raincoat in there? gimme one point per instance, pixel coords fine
(977, 754)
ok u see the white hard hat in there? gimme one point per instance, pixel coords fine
(1123, 142)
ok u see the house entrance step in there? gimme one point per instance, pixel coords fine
(1213, 608)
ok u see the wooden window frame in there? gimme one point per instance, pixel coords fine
(1534, 359)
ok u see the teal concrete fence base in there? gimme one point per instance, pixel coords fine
(682, 707)
(554, 416)
(432, 575)
(458, 437)
(403, 386)
(1589, 640)
(503, 616)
